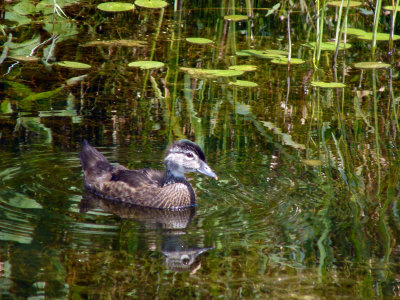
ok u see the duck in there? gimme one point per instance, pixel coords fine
(166, 189)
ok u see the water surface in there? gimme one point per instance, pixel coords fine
(307, 202)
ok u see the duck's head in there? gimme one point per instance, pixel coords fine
(185, 156)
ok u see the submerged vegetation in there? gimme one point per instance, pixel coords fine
(296, 104)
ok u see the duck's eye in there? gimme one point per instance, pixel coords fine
(189, 154)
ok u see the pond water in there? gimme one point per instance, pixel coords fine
(307, 201)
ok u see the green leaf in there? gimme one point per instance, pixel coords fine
(355, 31)
(236, 18)
(312, 162)
(65, 28)
(327, 84)
(327, 46)
(24, 58)
(211, 73)
(24, 8)
(268, 53)
(146, 64)
(17, 18)
(351, 4)
(24, 48)
(273, 9)
(151, 3)
(242, 53)
(390, 7)
(116, 43)
(115, 6)
(201, 41)
(371, 65)
(73, 65)
(285, 61)
(243, 83)
(5, 107)
(245, 68)
(380, 36)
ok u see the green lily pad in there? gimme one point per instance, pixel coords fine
(276, 52)
(151, 3)
(242, 53)
(146, 64)
(285, 61)
(115, 6)
(269, 54)
(380, 36)
(211, 73)
(236, 18)
(371, 65)
(312, 162)
(24, 58)
(355, 31)
(116, 43)
(328, 85)
(243, 83)
(73, 65)
(351, 4)
(246, 68)
(200, 41)
(390, 7)
(328, 46)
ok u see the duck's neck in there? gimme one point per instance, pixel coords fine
(172, 177)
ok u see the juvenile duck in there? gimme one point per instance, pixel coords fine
(146, 187)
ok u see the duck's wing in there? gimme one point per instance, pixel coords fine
(139, 178)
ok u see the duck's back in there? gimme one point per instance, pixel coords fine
(144, 187)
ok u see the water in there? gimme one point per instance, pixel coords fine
(307, 202)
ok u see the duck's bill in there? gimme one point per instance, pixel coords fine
(206, 170)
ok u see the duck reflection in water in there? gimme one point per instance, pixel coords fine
(179, 256)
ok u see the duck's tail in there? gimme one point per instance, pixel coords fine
(96, 167)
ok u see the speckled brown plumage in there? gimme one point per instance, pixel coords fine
(146, 187)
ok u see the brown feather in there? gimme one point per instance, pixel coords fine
(143, 187)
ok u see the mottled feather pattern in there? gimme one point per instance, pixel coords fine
(146, 187)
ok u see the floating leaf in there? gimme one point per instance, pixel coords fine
(236, 18)
(328, 46)
(355, 31)
(327, 84)
(146, 64)
(201, 41)
(211, 73)
(276, 52)
(245, 68)
(312, 162)
(285, 61)
(380, 36)
(24, 58)
(371, 65)
(269, 53)
(242, 53)
(243, 83)
(151, 3)
(338, 3)
(119, 43)
(390, 7)
(73, 65)
(115, 6)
